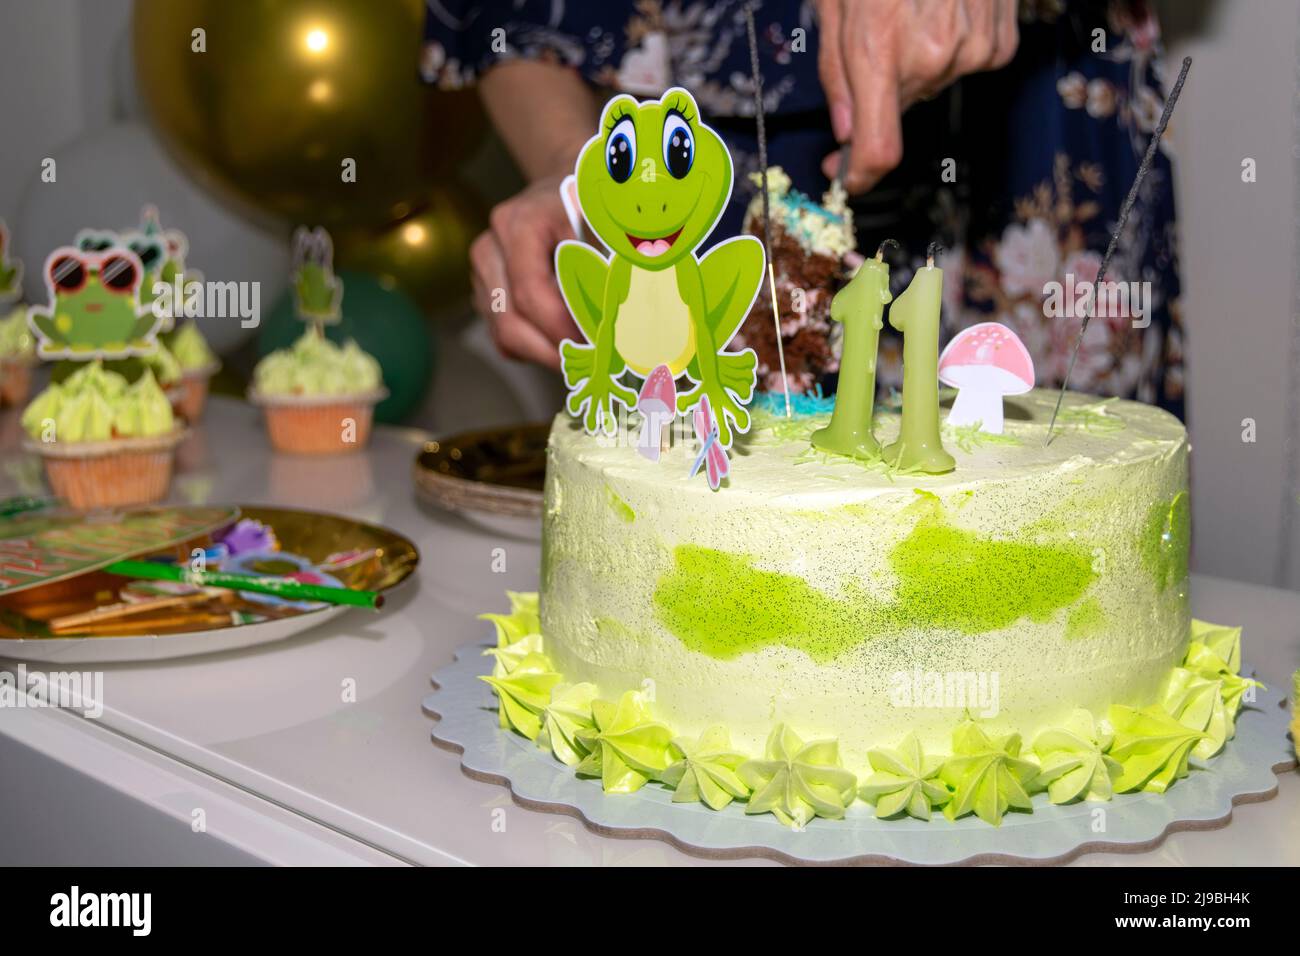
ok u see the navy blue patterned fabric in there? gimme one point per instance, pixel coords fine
(1043, 152)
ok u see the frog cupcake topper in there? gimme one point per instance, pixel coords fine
(317, 291)
(162, 254)
(11, 270)
(94, 308)
(651, 185)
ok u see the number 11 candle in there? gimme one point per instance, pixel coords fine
(860, 305)
(915, 313)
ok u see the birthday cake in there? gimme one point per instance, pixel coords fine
(799, 603)
(862, 605)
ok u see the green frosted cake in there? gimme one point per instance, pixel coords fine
(829, 629)
(844, 612)
(829, 595)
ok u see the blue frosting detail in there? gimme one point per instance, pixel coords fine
(806, 403)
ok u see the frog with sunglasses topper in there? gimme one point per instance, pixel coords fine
(94, 308)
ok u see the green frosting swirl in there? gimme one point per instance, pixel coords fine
(316, 366)
(798, 781)
(191, 348)
(1152, 748)
(905, 781)
(987, 775)
(94, 404)
(565, 718)
(1147, 748)
(163, 364)
(704, 770)
(16, 340)
(524, 693)
(510, 654)
(1215, 654)
(1074, 762)
(626, 748)
(524, 618)
(1197, 702)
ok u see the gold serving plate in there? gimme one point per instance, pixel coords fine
(387, 559)
(497, 471)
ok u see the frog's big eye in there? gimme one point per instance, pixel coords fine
(679, 146)
(67, 274)
(117, 274)
(620, 150)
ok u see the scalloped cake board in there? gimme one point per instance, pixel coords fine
(1244, 772)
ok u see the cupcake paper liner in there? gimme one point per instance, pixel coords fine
(15, 381)
(191, 396)
(312, 425)
(105, 474)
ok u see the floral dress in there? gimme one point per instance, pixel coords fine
(1019, 173)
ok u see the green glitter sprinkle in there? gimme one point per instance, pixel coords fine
(1167, 540)
(709, 592)
(948, 578)
(1085, 621)
(621, 507)
(955, 579)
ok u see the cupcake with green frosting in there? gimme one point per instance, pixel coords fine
(17, 357)
(105, 441)
(162, 364)
(197, 363)
(319, 397)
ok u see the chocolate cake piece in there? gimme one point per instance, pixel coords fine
(809, 243)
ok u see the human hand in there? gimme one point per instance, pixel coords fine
(513, 266)
(878, 57)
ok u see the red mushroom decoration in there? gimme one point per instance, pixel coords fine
(658, 407)
(984, 363)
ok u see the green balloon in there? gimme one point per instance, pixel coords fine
(385, 322)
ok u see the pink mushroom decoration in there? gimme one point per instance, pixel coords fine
(984, 363)
(658, 407)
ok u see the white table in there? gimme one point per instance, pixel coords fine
(283, 771)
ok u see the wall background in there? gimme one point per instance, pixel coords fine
(65, 72)
(1239, 263)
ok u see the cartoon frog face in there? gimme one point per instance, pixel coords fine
(151, 250)
(653, 182)
(317, 289)
(94, 304)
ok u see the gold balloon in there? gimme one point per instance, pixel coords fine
(426, 254)
(284, 93)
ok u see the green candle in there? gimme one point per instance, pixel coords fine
(916, 315)
(860, 306)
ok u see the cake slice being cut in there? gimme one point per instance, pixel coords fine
(809, 244)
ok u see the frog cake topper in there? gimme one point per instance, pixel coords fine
(651, 185)
(94, 308)
(317, 291)
(162, 255)
(11, 271)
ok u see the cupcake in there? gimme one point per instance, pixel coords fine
(162, 364)
(319, 397)
(17, 357)
(104, 442)
(198, 363)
